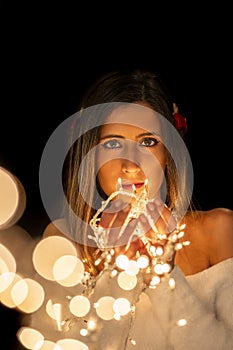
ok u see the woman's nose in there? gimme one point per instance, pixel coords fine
(130, 158)
(129, 166)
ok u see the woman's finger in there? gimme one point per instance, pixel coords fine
(114, 215)
(161, 216)
(126, 237)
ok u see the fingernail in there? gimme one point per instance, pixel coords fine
(143, 218)
(132, 223)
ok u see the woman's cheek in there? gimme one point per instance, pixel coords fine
(107, 176)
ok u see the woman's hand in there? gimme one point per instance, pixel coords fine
(156, 222)
(120, 231)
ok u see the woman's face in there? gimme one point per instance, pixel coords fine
(130, 148)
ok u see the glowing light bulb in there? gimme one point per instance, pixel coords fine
(154, 281)
(121, 306)
(122, 262)
(133, 268)
(182, 322)
(79, 305)
(28, 295)
(84, 332)
(91, 325)
(166, 268)
(158, 269)
(172, 283)
(68, 270)
(29, 337)
(104, 308)
(142, 261)
(71, 344)
(126, 281)
(54, 311)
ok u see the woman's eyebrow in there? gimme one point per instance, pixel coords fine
(109, 136)
(148, 134)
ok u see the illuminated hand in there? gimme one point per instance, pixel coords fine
(134, 226)
(120, 230)
(159, 224)
(149, 234)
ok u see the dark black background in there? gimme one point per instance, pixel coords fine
(50, 53)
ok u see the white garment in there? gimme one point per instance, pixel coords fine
(204, 300)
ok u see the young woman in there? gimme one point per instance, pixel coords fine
(128, 186)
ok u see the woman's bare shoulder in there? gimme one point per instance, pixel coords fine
(217, 222)
(217, 218)
(214, 229)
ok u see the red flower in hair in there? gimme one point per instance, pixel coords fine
(179, 120)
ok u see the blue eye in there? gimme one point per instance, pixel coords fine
(148, 142)
(111, 144)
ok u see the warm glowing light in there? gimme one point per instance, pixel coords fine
(114, 273)
(29, 337)
(142, 261)
(57, 247)
(133, 268)
(104, 308)
(7, 272)
(182, 322)
(117, 317)
(91, 325)
(55, 259)
(10, 279)
(57, 314)
(158, 269)
(84, 332)
(68, 270)
(178, 246)
(54, 311)
(12, 199)
(6, 279)
(121, 306)
(3, 266)
(166, 268)
(159, 251)
(182, 227)
(180, 234)
(152, 250)
(47, 345)
(126, 281)
(28, 295)
(7, 260)
(133, 342)
(122, 262)
(19, 292)
(71, 344)
(172, 283)
(154, 281)
(79, 305)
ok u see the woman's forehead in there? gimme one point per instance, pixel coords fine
(137, 115)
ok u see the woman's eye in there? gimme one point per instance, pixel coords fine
(149, 142)
(111, 144)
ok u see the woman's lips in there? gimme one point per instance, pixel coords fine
(129, 186)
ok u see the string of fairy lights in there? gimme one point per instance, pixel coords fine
(63, 267)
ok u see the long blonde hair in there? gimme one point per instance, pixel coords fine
(81, 187)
